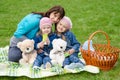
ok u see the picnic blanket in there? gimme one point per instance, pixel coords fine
(15, 69)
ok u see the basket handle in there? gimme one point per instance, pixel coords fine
(99, 31)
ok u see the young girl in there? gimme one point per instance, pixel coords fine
(28, 27)
(63, 31)
(43, 43)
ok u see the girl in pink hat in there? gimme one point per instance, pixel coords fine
(62, 30)
(43, 43)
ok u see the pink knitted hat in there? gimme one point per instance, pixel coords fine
(68, 21)
(45, 21)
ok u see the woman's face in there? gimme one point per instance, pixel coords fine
(46, 29)
(61, 27)
(55, 17)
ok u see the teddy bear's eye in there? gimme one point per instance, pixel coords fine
(61, 47)
(27, 48)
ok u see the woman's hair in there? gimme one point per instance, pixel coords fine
(56, 9)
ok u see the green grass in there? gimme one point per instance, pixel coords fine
(87, 16)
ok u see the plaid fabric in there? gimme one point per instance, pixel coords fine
(14, 69)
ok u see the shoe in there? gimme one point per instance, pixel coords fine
(36, 67)
(48, 65)
(74, 66)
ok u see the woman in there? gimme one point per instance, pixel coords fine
(28, 27)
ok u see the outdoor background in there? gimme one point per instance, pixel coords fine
(87, 16)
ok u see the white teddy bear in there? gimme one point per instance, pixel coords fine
(57, 53)
(28, 52)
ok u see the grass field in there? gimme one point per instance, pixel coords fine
(87, 16)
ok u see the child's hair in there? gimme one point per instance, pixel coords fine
(56, 9)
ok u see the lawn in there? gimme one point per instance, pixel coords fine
(87, 16)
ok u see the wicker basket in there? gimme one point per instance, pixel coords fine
(104, 56)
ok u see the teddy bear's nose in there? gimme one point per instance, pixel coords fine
(61, 47)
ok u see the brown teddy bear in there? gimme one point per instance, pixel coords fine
(28, 52)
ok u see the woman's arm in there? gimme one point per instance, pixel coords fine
(27, 24)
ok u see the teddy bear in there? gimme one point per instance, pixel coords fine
(28, 52)
(57, 53)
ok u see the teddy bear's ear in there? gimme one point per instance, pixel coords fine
(32, 41)
(19, 44)
(54, 41)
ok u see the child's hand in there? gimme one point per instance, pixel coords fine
(40, 45)
(47, 41)
(71, 51)
(39, 51)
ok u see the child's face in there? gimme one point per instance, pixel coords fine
(54, 17)
(46, 29)
(61, 27)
